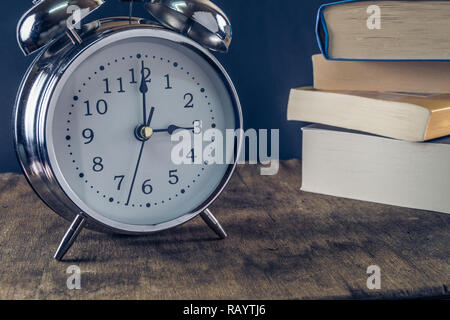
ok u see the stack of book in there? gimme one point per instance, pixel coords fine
(381, 104)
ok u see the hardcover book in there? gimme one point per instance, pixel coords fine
(412, 117)
(394, 76)
(360, 166)
(384, 30)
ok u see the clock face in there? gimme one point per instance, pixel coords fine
(109, 128)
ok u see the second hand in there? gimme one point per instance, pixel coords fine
(140, 156)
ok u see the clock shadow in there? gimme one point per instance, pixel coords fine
(180, 235)
(96, 247)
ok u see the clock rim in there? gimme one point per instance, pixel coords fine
(44, 75)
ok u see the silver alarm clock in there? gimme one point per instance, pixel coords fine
(97, 108)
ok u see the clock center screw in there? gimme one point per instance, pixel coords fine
(143, 133)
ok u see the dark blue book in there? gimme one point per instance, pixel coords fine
(384, 30)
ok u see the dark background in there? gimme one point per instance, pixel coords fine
(273, 41)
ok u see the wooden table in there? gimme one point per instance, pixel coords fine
(283, 244)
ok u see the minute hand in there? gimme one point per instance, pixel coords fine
(143, 88)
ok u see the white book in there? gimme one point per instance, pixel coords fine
(361, 166)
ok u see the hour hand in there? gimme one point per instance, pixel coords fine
(172, 128)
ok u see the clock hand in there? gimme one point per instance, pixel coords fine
(171, 129)
(152, 110)
(149, 121)
(143, 88)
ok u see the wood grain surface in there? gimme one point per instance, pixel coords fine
(283, 244)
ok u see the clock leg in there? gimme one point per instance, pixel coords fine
(212, 222)
(70, 236)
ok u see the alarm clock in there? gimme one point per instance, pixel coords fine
(96, 113)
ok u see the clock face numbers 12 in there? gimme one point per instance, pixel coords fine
(111, 121)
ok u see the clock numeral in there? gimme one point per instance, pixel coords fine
(145, 73)
(197, 126)
(173, 178)
(168, 82)
(191, 155)
(106, 81)
(101, 107)
(120, 178)
(120, 85)
(98, 165)
(88, 112)
(147, 187)
(88, 134)
(190, 98)
(133, 78)
(107, 90)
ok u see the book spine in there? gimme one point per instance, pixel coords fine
(322, 35)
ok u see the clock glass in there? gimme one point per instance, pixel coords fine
(110, 121)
